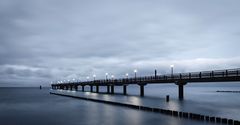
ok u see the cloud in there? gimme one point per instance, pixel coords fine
(43, 41)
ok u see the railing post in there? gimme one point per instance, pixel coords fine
(200, 75)
(226, 73)
(190, 75)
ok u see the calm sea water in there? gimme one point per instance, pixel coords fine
(28, 106)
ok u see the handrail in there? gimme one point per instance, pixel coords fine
(175, 76)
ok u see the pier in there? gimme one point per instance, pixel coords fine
(179, 79)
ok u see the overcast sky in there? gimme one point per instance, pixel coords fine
(48, 40)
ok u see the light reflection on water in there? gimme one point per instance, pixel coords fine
(135, 100)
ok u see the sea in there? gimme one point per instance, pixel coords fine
(34, 106)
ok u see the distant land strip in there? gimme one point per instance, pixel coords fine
(186, 115)
(228, 91)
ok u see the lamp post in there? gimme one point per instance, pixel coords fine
(87, 78)
(135, 72)
(112, 76)
(106, 74)
(79, 79)
(172, 70)
(127, 75)
(73, 80)
(94, 76)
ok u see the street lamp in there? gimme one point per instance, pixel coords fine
(172, 69)
(112, 76)
(73, 80)
(106, 76)
(127, 75)
(87, 78)
(94, 76)
(135, 72)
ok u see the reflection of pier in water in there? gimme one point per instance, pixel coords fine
(180, 79)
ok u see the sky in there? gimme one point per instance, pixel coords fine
(50, 40)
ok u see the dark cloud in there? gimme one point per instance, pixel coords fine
(49, 40)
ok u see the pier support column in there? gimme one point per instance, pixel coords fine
(71, 87)
(91, 88)
(97, 88)
(108, 89)
(125, 89)
(76, 88)
(83, 88)
(180, 92)
(66, 87)
(181, 89)
(141, 89)
(112, 89)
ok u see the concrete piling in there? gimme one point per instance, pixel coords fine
(125, 89)
(167, 98)
(108, 89)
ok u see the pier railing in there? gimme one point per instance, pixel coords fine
(169, 77)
